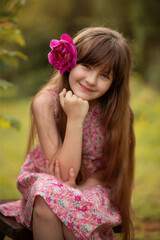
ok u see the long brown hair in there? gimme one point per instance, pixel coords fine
(108, 49)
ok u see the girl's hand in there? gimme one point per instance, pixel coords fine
(75, 108)
(53, 168)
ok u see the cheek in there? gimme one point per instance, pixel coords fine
(75, 76)
(71, 78)
(103, 87)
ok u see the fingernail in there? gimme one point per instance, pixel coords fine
(72, 170)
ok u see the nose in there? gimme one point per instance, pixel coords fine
(91, 78)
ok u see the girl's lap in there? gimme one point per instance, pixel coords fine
(82, 212)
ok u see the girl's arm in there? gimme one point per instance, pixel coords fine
(54, 170)
(69, 153)
(43, 111)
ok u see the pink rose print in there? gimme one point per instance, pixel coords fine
(59, 184)
(84, 208)
(70, 225)
(99, 221)
(64, 54)
(78, 198)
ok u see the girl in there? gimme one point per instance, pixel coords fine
(77, 182)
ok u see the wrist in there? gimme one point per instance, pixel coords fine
(75, 122)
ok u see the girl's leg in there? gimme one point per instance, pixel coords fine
(68, 235)
(46, 225)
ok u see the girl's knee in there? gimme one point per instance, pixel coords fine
(41, 209)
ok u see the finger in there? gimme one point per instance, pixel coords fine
(61, 96)
(57, 170)
(69, 94)
(52, 167)
(74, 97)
(63, 92)
(72, 178)
(47, 166)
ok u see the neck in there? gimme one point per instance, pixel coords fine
(92, 103)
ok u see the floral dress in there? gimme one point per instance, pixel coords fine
(88, 213)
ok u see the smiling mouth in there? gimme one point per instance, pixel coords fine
(85, 88)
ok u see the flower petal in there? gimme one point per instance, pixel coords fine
(65, 68)
(54, 43)
(67, 38)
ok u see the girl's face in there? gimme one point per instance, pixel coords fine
(88, 82)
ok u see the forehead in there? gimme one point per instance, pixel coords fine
(100, 55)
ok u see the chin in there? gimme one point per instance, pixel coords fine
(82, 96)
(78, 94)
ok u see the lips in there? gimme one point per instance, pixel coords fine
(86, 89)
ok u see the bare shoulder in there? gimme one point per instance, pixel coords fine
(42, 102)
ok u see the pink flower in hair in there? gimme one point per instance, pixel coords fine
(64, 54)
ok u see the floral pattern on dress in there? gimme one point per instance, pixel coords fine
(89, 214)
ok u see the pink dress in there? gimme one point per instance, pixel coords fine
(89, 214)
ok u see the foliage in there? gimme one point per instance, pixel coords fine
(7, 122)
(9, 32)
(145, 24)
(5, 84)
(9, 35)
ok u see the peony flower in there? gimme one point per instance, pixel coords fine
(64, 54)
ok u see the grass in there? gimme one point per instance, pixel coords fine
(145, 102)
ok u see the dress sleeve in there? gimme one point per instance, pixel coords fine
(55, 99)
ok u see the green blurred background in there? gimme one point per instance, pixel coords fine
(26, 28)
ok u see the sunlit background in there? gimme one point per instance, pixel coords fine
(26, 28)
